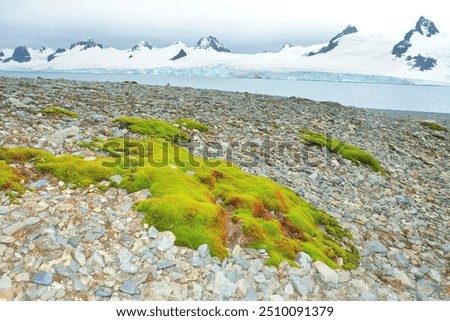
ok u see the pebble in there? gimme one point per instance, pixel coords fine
(165, 265)
(203, 250)
(5, 239)
(4, 210)
(79, 286)
(130, 287)
(153, 233)
(129, 267)
(43, 278)
(328, 275)
(104, 292)
(375, 246)
(74, 240)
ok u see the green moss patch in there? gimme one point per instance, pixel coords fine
(355, 154)
(10, 179)
(199, 199)
(192, 124)
(433, 126)
(154, 128)
(60, 111)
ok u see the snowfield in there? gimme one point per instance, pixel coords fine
(358, 57)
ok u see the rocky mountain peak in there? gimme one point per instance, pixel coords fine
(20, 55)
(334, 41)
(141, 45)
(211, 42)
(86, 44)
(347, 31)
(426, 27)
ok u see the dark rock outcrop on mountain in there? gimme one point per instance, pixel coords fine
(86, 44)
(334, 41)
(179, 55)
(53, 55)
(422, 63)
(21, 54)
(142, 44)
(2, 54)
(424, 27)
(211, 42)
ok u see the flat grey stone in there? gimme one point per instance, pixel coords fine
(63, 270)
(74, 240)
(59, 136)
(435, 276)
(241, 262)
(304, 261)
(405, 279)
(129, 267)
(152, 232)
(328, 275)
(223, 287)
(79, 286)
(427, 287)
(234, 273)
(104, 292)
(376, 246)
(166, 241)
(203, 250)
(303, 285)
(126, 207)
(5, 282)
(6, 239)
(130, 287)
(124, 255)
(398, 259)
(13, 228)
(197, 260)
(40, 183)
(367, 296)
(4, 210)
(250, 295)
(116, 179)
(43, 278)
(31, 221)
(165, 265)
(79, 257)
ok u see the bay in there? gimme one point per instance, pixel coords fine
(434, 99)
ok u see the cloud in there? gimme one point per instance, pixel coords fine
(248, 24)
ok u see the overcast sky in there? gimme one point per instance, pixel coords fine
(242, 25)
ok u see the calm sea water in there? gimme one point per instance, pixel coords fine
(378, 96)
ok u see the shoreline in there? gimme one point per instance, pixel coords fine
(399, 222)
(118, 78)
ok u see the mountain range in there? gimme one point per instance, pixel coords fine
(420, 56)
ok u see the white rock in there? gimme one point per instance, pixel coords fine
(223, 287)
(328, 275)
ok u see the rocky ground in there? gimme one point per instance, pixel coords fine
(58, 243)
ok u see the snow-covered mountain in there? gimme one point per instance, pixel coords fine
(420, 56)
(211, 43)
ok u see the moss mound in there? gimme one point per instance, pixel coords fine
(199, 199)
(355, 154)
(60, 111)
(10, 179)
(153, 128)
(433, 126)
(192, 124)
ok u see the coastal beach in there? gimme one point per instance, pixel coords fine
(62, 242)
